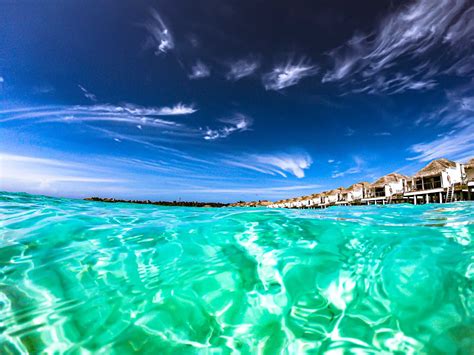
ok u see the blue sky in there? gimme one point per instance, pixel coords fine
(230, 100)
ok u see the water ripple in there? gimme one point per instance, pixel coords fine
(87, 277)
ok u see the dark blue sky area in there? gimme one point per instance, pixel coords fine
(229, 100)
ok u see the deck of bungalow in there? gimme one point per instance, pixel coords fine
(387, 189)
(436, 182)
(468, 179)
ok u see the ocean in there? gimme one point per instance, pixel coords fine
(93, 277)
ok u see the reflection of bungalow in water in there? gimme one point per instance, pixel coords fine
(435, 182)
(355, 193)
(385, 189)
(468, 176)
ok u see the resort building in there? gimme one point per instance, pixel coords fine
(315, 200)
(440, 181)
(355, 193)
(386, 189)
(342, 197)
(333, 196)
(468, 178)
(306, 202)
(436, 182)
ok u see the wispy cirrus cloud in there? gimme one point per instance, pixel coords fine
(242, 68)
(126, 113)
(273, 164)
(288, 73)
(160, 37)
(349, 132)
(46, 175)
(456, 144)
(178, 109)
(87, 94)
(371, 63)
(272, 191)
(455, 119)
(199, 71)
(358, 165)
(236, 123)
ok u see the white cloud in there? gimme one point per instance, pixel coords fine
(349, 132)
(87, 94)
(356, 169)
(382, 134)
(258, 190)
(125, 113)
(159, 34)
(456, 145)
(455, 118)
(45, 175)
(272, 164)
(242, 68)
(178, 109)
(2, 80)
(199, 71)
(288, 74)
(409, 34)
(456, 111)
(236, 123)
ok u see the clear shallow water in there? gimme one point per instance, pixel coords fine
(80, 276)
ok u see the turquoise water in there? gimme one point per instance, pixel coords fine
(90, 277)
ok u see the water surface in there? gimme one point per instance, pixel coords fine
(91, 277)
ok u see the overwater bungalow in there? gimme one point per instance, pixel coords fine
(436, 182)
(355, 193)
(315, 200)
(440, 181)
(332, 196)
(284, 203)
(292, 202)
(298, 202)
(468, 175)
(342, 197)
(306, 201)
(385, 189)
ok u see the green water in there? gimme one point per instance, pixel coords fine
(90, 277)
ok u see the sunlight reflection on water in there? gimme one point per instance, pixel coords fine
(121, 278)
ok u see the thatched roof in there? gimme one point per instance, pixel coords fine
(470, 163)
(358, 185)
(435, 167)
(384, 180)
(335, 191)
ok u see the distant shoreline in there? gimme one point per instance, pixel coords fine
(159, 203)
